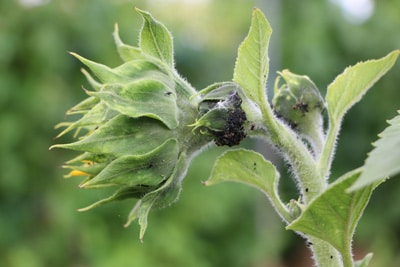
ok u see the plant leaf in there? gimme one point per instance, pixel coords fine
(139, 136)
(155, 39)
(249, 167)
(84, 106)
(252, 63)
(127, 72)
(334, 214)
(103, 72)
(163, 196)
(384, 160)
(149, 169)
(149, 98)
(121, 194)
(99, 114)
(349, 87)
(126, 52)
(244, 166)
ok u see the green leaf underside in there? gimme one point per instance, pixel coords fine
(149, 169)
(156, 199)
(349, 87)
(333, 215)
(384, 160)
(251, 69)
(160, 198)
(248, 167)
(123, 136)
(155, 39)
(149, 98)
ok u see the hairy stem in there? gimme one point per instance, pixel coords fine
(324, 254)
(304, 166)
(325, 161)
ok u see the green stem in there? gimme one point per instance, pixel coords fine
(348, 256)
(311, 175)
(325, 255)
(313, 133)
(308, 174)
(325, 161)
(280, 208)
(304, 166)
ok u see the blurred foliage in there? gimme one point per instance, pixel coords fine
(226, 225)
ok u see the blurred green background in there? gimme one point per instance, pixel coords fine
(225, 225)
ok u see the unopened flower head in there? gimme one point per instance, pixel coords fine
(142, 123)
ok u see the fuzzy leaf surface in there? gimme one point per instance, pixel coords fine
(384, 160)
(149, 169)
(251, 168)
(123, 136)
(349, 87)
(252, 63)
(127, 72)
(162, 197)
(155, 39)
(334, 214)
(245, 166)
(149, 98)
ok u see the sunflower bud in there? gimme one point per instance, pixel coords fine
(134, 134)
(299, 103)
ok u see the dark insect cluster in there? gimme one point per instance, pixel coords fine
(302, 107)
(233, 132)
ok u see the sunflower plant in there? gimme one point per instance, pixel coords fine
(142, 123)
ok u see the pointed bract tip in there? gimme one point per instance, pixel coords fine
(256, 9)
(206, 183)
(82, 185)
(83, 209)
(54, 146)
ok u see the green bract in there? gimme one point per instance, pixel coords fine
(134, 132)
